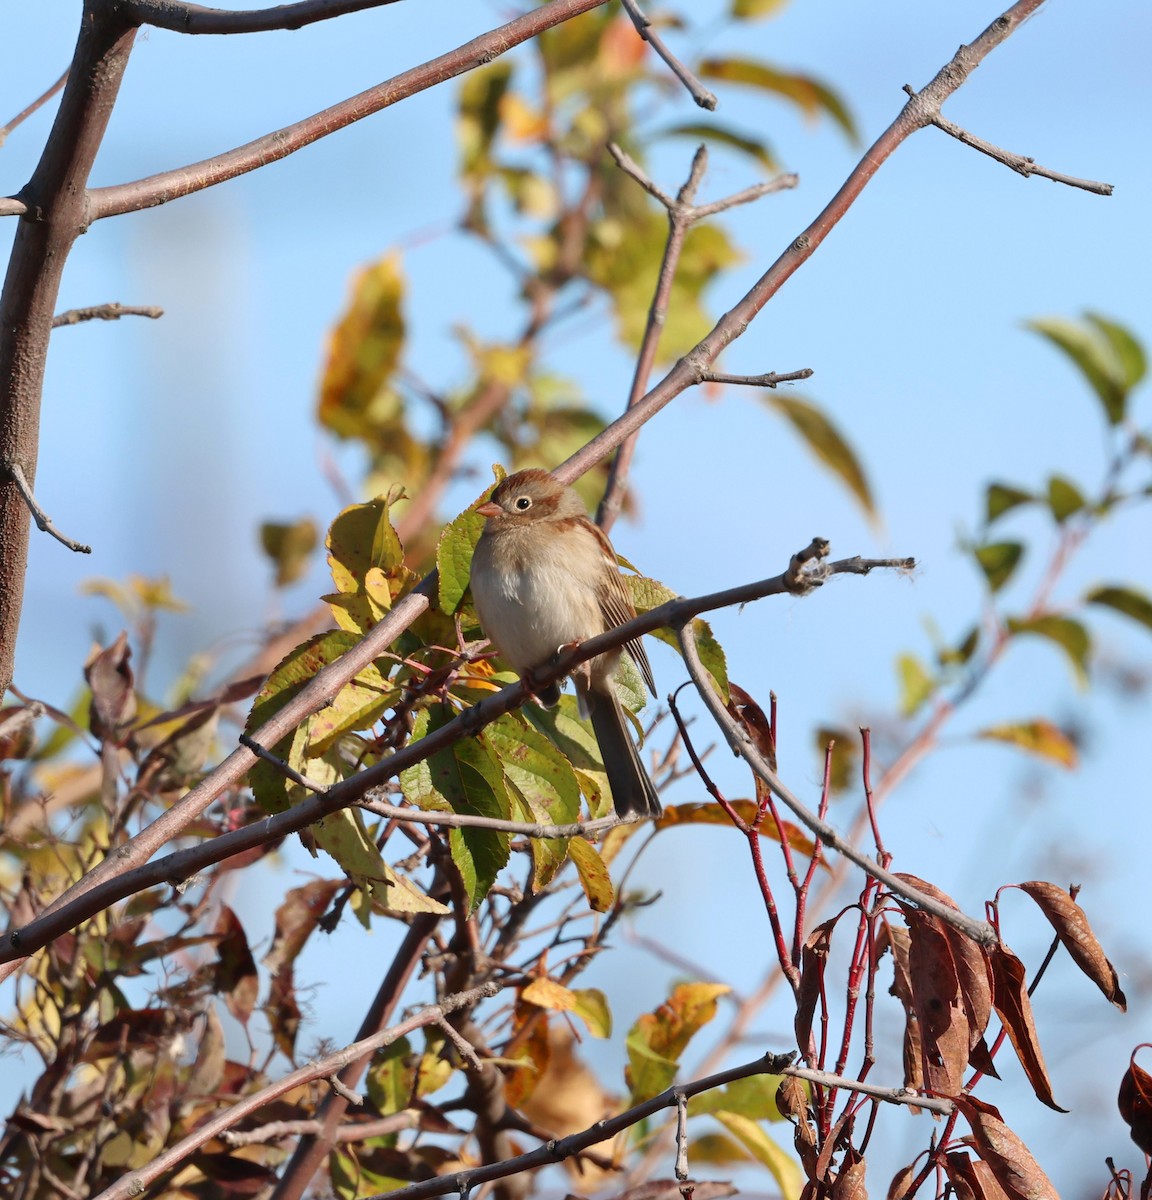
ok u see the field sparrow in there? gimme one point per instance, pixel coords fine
(543, 576)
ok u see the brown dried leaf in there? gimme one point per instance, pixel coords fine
(296, 918)
(283, 1011)
(113, 696)
(972, 1179)
(812, 963)
(900, 943)
(901, 1181)
(235, 971)
(1015, 1009)
(1014, 1168)
(938, 1004)
(1135, 1103)
(1072, 928)
(755, 722)
(850, 1183)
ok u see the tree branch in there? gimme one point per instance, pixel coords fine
(112, 880)
(703, 97)
(195, 177)
(106, 312)
(1016, 162)
(741, 743)
(195, 18)
(563, 1148)
(683, 213)
(43, 521)
(36, 104)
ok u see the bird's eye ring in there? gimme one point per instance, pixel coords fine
(523, 503)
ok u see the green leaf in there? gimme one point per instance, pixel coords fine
(998, 561)
(828, 444)
(648, 594)
(454, 556)
(1002, 498)
(701, 131)
(592, 1008)
(574, 739)
(783, 1166)
(1064, 498)
(478, 116)
(593, 874)
(658, 1039)
(753, 1098)
(392, 1077)
(464, 778)
(1069, 635)
(1037, 737)
(810, 95)
(362, 538)
(542, 787)
(963, 651)
(1124, 600)
(289, 547)
(754, 10)
(1108, 357)
(916, 685)
(1129, 353)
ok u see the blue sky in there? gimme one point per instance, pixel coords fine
(165, 444)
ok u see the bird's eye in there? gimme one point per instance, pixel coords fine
(523, 503)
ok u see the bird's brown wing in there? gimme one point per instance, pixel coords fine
(616, 605)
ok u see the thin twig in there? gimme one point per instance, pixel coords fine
(741, 743)
(43, 521)
(896, 1095)
(769, 380)
(1015, 162)
(281, 766)
(683, 213)
(448, 820)
(354, 1131)
(105, 312)
(134, 1183)
(696, 89)
(463, 1046)
(25, 113)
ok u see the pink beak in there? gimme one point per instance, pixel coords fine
(489, 509)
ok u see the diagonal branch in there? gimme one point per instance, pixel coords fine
(195, 177)
(1016, 162)
(703, 97)
(116, 878)
(562, 1148)
(741, 743)
(195, 18)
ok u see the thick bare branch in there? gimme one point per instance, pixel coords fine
(183, 181)
(195, 18)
